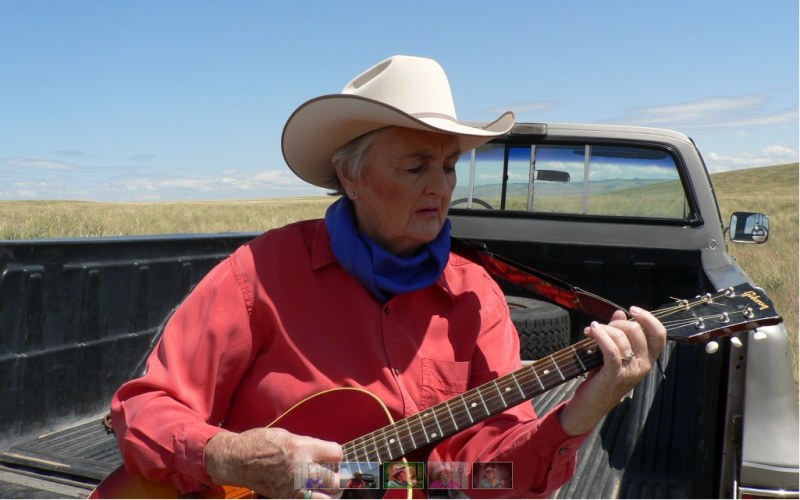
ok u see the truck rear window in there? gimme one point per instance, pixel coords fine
(590, 179)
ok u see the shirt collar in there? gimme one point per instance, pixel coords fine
(322, 255)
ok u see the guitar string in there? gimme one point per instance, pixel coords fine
(522, 379)
(525, 379)
(491, 400)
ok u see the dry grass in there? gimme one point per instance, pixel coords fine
(772, 190)
(67, 219)
(773, 265)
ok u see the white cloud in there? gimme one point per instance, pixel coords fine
(720, 112)
(40, 164)
(224, 185)
(30, 184)
(771, 155)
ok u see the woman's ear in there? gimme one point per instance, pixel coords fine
(350, 186)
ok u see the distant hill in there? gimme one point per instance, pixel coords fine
(559, 189)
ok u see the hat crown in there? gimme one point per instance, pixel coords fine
(415, 85)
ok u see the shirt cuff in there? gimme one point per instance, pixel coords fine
(189, 460)
(558, 447)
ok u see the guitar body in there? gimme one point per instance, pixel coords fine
(339, 415)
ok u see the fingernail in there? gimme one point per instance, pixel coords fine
(635, 310)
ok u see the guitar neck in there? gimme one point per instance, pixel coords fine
(722, 313)
(449, 417)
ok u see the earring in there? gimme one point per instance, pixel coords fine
(352, 194)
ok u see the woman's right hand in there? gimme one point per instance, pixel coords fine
(263, 460)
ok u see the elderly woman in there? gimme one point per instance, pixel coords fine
(356, 481)
(489, 480)
(444, 477)
(315, 480)
(398, 477)
(275, 322)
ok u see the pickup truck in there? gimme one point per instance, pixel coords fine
(626, 213)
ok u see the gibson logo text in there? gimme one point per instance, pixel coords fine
(756, 298)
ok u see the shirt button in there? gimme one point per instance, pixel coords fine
(396, 371)
(562, 451)
(387, 310)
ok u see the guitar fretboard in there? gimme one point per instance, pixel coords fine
(449, 417)
(724, 313)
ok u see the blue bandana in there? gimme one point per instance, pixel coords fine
(382, 273)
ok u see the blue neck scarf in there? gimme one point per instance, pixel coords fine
(382, 273)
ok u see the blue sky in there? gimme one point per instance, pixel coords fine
(178, 100)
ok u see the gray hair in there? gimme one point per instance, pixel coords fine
(348, 160)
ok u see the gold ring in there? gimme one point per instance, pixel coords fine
(628, 357)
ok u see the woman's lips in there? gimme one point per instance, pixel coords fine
(428, 212)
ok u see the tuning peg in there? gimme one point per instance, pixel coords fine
(712, 347)
(736, 342)
(758, 336)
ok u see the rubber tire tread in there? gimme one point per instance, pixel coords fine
(543, 328)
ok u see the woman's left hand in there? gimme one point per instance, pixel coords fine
(630, 349)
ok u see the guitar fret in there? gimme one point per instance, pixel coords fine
(422, 424)
(399, 441)
(410, 433)
(521, 392)
(356, 449)
(533, 369)
(500, 393)
(578, 357)
(469, 413)
(375, 445)
(385, 443)
(388, 442)
(436, 419)
(451, 414)
(483, 401)
(557, 368)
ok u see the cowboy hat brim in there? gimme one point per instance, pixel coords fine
(322, 125)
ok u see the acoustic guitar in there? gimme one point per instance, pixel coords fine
(374, 437)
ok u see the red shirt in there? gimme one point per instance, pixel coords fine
(280, 320)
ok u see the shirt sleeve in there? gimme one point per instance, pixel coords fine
(164, 419)
(542, 453)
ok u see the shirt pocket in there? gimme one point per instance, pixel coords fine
(442, 380)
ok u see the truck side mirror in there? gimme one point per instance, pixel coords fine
(749, 227)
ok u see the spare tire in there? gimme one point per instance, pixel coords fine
(543, 328)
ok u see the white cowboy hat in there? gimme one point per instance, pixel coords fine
(396, 469)
(442, 467)
(405, 91)
(490, 468)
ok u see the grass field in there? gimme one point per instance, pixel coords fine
(771, 190)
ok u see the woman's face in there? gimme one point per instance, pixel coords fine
(445, 475)
(490, 474)
(404, 190)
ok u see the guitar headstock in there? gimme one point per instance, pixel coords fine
(723, 313)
